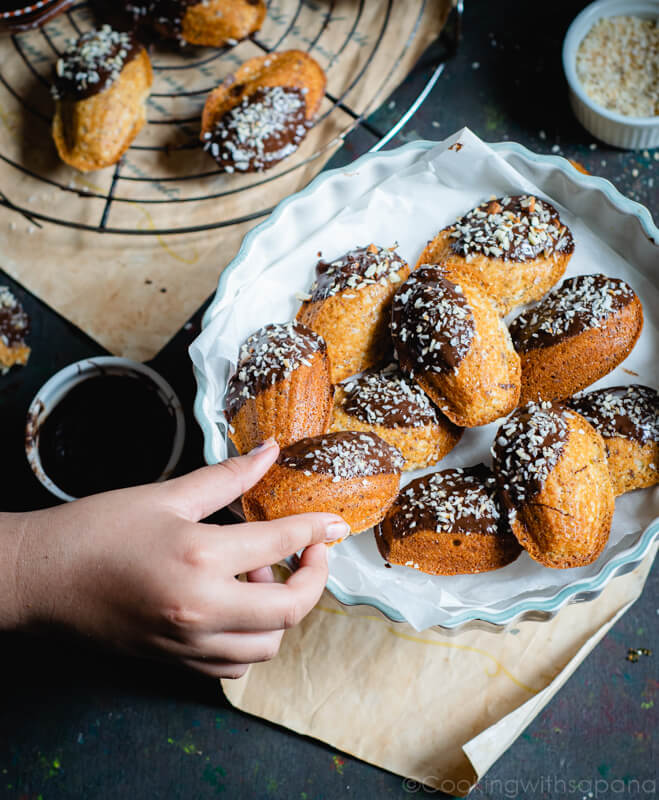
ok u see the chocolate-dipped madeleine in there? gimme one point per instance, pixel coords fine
(207, 23)
(577, 334)
(281, 387)
(551, 470)
(260, 114)
(448, 523)
(450, 339)
(389, 404)
(627, 418)
(348, 305)
(101, 85)
(516, 246)
(352, 474)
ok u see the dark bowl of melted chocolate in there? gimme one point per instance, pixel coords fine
(103, 423)
(17, 16)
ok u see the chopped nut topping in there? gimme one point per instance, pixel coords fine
(618, 65)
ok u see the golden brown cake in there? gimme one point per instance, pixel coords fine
(389, 404)
(354, 475)
(14, 327)
(627, 418)
(577, 334)
(551, 470)
(260, 114)
(101, 85)
(348, 305)
(448, 523)
(208, 23)
(450, 339)
(517, 246)
(281, 387)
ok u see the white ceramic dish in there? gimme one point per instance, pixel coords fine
(622, 224)
(52, 392)
(629, 133)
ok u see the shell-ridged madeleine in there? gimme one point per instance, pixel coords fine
(348, 305)
(448, 523)
(354, 475)
(450, 339)
(386, 402)
(206, 23)
(260, 114)
(103, 80)
(577, 334)
(516, 246)
(627, 418)
(551, 469)
(281, 387)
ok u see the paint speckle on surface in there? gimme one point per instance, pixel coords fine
(337, 764)
(186, 745)
(213, 776)
(271, 786)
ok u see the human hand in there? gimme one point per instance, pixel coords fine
(137, 569)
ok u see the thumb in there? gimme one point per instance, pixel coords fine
(206, 490)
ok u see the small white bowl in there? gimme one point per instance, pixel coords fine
(629, 133)
(61, 383)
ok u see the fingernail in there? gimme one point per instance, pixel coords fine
(263, 446)
(336, 530)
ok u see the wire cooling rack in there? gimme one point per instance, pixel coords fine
(165, 183)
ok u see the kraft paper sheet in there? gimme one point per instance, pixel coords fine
(434, 708)
(132, 293)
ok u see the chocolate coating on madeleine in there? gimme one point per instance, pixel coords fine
(579, 303)
(264, 128)
(387, 397)
(450, 501)
(631, 412)
(342, 455)
(93, 62)
(527, 448)
(268, 356)
(165, 17)
(519, 228)
(356, 269)
(14, 321)
(431, 322)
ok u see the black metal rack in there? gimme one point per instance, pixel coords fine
(167, 65)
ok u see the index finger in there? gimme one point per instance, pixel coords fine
(251, 545)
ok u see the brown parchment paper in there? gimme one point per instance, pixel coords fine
(435, 708)
(132, 293)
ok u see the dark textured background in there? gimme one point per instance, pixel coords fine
(79, 723)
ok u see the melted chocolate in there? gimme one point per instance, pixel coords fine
(388, 398)
(361, 267)
(18, 16)
(108, 432)
(631, 412)
(527, 447)
(578, 304)
(342, 455)
(519, 228)
(93, 62)
(432, 323)
(461, 501)
(268, 356)
(264, 128)
(14, 322)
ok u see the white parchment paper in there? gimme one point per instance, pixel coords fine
(410, 207)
